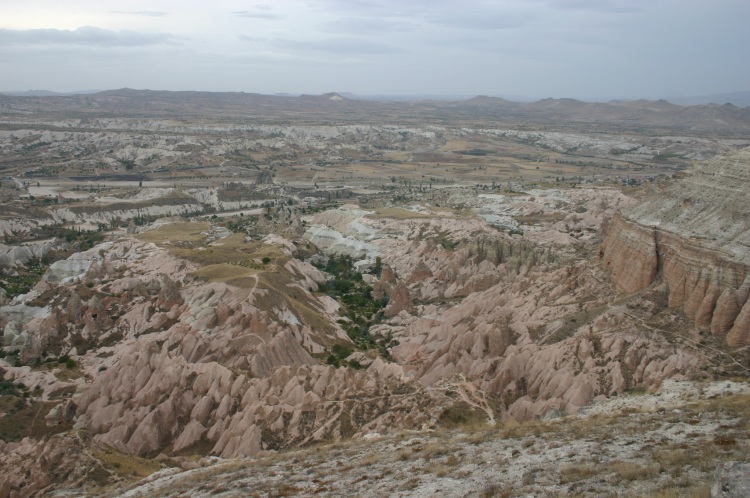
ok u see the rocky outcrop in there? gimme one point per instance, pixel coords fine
(153, 397)
(169, 294)
(421, 273)
(384, 286)
(633, 260)
(695, 236)
(731, 480)
(30, 467)
(399, 301)
(540, 343)
(179, 364)
(76, 266)
(10, 255)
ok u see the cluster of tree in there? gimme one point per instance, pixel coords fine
(25, 277)
(359, 307)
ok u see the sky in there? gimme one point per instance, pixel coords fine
(585, 49)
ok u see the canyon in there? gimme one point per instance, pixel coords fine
(314, 287)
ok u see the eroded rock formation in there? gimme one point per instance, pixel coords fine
(695, 236)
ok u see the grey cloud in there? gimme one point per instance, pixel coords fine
(144, 13)
(256, 15)
(335, 45)
(249, 38)
(83, 36)
(470, 14)
(611, 6)
(481, 20)
(365, 24)
(350, 46)
(383, 8)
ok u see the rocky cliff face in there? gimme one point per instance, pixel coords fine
(695, 236)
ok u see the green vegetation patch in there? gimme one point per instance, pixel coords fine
(26, 278)
(360, 309)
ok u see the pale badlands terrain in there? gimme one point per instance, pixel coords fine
(378, 337)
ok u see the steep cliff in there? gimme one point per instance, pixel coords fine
(695, 236)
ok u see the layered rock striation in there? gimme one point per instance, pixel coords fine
(695, 236)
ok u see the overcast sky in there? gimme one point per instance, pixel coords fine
(588, 49)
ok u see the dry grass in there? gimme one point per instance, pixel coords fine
(496, 490)
(412, 483)
(22, 419)
(231, 260)
(630, 471)
(402, 455)
(224, 272)
(186, 232)
(66, 374)
(513, 429)
(435, 450)
(369, 459)
(305, 308)
(574, 473)
(126, 465)
(673, 458)
(464, 416)
(441, 471)
(447, 210)
(699, 491)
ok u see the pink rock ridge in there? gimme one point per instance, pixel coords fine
(711, 288)
(537, 342)
(208, 365)
(694, 236)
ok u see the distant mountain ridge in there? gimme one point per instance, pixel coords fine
(726, 119)
(47, 93)
(739, 99)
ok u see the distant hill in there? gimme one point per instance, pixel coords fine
(727, 119)
(740, 99)
(47, 93)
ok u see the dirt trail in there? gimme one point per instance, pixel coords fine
(472, 395)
